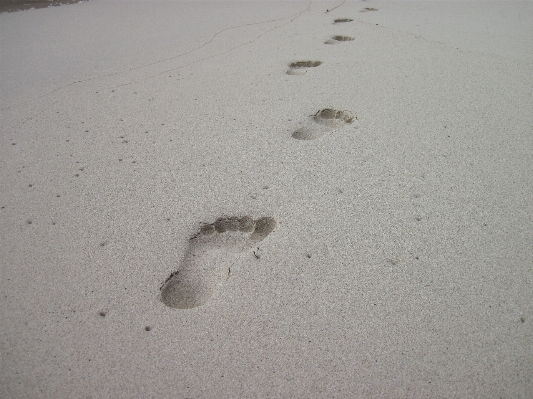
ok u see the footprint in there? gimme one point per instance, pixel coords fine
(208, 260)
(341, 20)
(338, 39)
(368, 9)
(300, 67)
(324, 121)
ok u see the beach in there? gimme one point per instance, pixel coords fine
(267, 199)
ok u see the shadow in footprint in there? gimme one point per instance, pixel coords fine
(208, 260)
(324, 121)
(300, 67)
(339, 39)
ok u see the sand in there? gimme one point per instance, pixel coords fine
(355, 228)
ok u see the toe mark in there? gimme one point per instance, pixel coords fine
(305, 64)
(341, 20)
(343, 38)
(329, 116)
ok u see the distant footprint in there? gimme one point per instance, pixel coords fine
(300, 67)
(324, 121)
(341, 20)
(339, 39)
(209, 257)
(368, 9)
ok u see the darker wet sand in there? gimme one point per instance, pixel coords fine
(21, 5)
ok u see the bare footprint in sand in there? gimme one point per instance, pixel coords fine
(339, 39)
(324, 121)
(342, 20)
(208, 260)
(300, 67)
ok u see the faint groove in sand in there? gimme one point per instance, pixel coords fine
(331, 9)
(240, 45)
(292, 18)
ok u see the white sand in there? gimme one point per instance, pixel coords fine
(402, 261)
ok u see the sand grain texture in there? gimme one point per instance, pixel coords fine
(400, 264)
